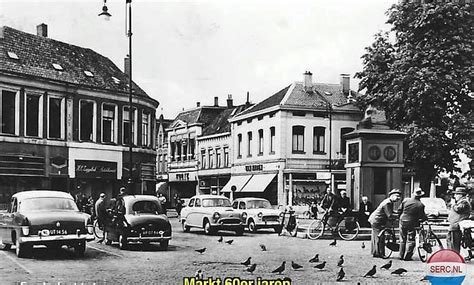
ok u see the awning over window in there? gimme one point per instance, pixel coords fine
(258, 183)
(238, 181)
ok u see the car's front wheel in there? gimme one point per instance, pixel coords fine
(207, 228)
(185, 227)
(252, 226)
(122, 242)
(164, 244)
(23, 249)
(80, 248)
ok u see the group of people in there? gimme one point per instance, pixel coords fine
(410, 213)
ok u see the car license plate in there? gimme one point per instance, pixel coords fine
(150, 233)
(58, 232)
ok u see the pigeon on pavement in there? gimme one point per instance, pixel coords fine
(252, 267)
(363, 245)
(387, 266)
(399, 271)
(341, 261)
(295, 266)
(321, 265)
(220, 239)
(263, 247)
(229, 241)
(280, 268)
(333, 243)
(340, 274)
(201, 250)
(247, 262)
(371, 272)
(315, 258)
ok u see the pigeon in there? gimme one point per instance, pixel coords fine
(320, 266)
(399, 271)
(387, 266)
(340, 274)
(201, 250)
(333, 243)
(263, 247)
(363, 245)
(295, 266)
(280, 268)
(220, 239)
(315, 258)
(229, 241)
(198, 274)
(341, 261)
(247, 262)
(252, 267)
(371, 272)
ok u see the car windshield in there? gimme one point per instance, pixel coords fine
(216, 202)
(47, 204)
(146, 207)
(258, 204)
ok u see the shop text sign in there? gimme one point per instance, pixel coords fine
(254, 167)
(96, 169)
(182, 176)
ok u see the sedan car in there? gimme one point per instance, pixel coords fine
(42, 217)
(143, 221)
(260, 213)
(212, 213)
(435, 208)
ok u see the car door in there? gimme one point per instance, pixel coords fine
(186, 211)
(6, 220)
(195, 216)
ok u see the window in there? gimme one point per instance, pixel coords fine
(173, 150)
(343, 141)
(33, 115)
(218, 158)
(128, 121)
(239, 145)
(298, 139)
(272, 140)
(55, 118)
(178, 151)
(185, 150)
(165, 163)
(260, 142)
(299, 114)
(146, 129)
(211, 158)
(108, 123)
(318, 139)
(192, 145)
(203, 159)
(86, 120)
(249, 144)
(191, 203)
(226, 157)
(9, 121)
(197, 203)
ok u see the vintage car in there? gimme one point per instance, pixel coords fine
(435, 209)
(42, 217)
(143, 221)
(260, 213)
(212, 213)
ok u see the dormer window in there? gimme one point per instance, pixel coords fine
(88, 73)
(116, 80)
(57, 67)
(12, 55)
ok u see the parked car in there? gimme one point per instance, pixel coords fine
(42, 217)
(143, 221)
(260, 213)
(435, 208)
(212, 213)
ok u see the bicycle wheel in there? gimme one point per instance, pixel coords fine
(98, 232)
(315, 229)
(423, 247)
(390, 243)
(348, 229)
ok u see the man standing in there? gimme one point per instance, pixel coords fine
(101, 212)
(379, 219)
(460, 210)
(412, 211)
(365, 209)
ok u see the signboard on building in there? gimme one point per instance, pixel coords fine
(182, 176)
(96, 169)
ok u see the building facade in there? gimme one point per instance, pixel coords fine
(64, 120)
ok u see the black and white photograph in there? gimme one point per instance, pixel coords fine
(236, 142)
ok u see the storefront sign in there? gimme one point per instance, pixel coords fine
(254, 167)
(182, 176)
(96, 169)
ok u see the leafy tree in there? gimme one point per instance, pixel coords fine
(421, 74)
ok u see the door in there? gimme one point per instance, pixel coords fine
(380, 185)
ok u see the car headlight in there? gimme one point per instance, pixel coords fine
(281, 214)
(216, 216)
(244, 216)
(25, 230)
(260, 214)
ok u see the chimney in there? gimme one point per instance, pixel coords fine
(230, 103)
(198, 104)
(346, 84)
(247, 103)
(126, 65)
(42, 30)
(308, 80)
(216, 101)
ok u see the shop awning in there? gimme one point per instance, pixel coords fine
(258, 183)
(238, 181)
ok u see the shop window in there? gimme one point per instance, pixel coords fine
(260, 142)
(249, 144)
(298, 139)
(239, 145)
(318, 139)
(343, 141)
(129, 120)
(56, 118)
(108, 123)
(33, 115)
(272, 140)
(146, 129)
(87, 120)
(9, 120)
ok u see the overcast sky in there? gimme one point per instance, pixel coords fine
(189, 51)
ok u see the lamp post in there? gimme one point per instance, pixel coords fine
(107, 16)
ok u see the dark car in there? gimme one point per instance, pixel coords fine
(143, 221)
(42, 217)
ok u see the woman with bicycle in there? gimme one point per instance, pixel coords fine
(379, 219)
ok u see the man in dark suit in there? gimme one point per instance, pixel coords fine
(365, 209)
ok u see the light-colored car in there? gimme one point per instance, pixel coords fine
(260, 213)
(435, 208)
(212, 213)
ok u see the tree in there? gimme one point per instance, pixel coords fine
(421, 74)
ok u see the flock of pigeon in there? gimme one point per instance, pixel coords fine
(341, 274)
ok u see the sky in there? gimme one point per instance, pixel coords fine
(185, 52)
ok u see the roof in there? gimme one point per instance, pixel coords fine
(133, 198)
(209, 196)
(271, 101)
(220, 124)
(37, 54)
(41, 193)
(250, 199)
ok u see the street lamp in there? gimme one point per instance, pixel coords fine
(106, 15)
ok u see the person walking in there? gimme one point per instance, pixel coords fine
(365, 209)
(460, 211)
(379, 219)
(101, 212)
(411, 211)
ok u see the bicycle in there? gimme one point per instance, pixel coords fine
(291, 226)
(389, 241)
(346, 226)
(427, 242)
(98, 230)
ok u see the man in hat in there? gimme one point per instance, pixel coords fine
(411, 211)
(379, 219)
(460, 211)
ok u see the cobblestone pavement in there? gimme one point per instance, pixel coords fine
(110, 265)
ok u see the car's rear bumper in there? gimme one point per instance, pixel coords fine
(56, 238)
(148, 239)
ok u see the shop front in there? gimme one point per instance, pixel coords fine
(183, 183)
